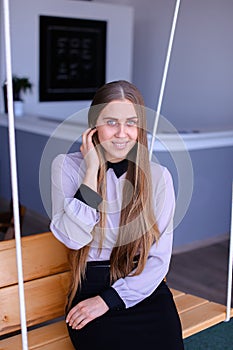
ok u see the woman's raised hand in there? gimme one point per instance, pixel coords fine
(91, 158)
(88, 149)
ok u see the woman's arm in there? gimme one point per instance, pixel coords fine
(72, 218)
(74, 197)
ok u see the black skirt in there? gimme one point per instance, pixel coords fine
(151, 324)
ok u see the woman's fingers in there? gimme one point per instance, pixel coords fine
(88, 149)
(78, 317)
(87, 141)
(86, 311)
(90, 135)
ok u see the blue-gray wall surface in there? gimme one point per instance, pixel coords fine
(209, 212)
(198, 91)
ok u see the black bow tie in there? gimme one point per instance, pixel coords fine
(119, 168)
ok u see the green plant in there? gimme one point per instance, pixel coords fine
(20, 85)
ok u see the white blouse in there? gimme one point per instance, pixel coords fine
(73, 221)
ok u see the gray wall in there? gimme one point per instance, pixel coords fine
(199, 88)
(209, 213)
(30, 148)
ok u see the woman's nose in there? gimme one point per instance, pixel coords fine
(121, 130)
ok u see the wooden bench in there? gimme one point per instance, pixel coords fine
(197, 314)
(46, 276)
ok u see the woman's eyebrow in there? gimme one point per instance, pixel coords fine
(129, 118)
(109, 117)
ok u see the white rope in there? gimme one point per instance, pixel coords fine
(14, 173)
(160, 100)
(230, 262)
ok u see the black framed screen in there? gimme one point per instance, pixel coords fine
(72, 58)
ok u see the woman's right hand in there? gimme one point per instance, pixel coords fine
(91, 158)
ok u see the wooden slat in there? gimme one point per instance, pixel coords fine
(196, 313)
(176, 293)
(50, 337)
(45, 300)
(62, 344)
(48, 255)
(8, 269)
(187, 302)
(46, 338)
(202, 317)
(9, 310)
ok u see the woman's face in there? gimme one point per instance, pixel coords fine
(117, 129)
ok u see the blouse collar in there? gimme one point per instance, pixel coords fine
(119, 168)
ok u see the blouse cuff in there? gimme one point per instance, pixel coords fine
(86, 195)
(112, 299)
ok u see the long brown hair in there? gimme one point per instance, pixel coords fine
(137, 228)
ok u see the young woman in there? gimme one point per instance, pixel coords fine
(114, 210)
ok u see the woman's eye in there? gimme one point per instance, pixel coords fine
(131, 123)
(111, 122)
